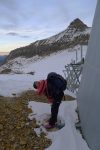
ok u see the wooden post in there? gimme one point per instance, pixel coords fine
(81, 51)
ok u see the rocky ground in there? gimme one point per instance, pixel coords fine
(16, 130)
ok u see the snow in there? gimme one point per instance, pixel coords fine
(17, 83)
(14, 83)
(68, 138)
(87, 31)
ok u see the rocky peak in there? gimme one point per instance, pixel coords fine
(78, 24)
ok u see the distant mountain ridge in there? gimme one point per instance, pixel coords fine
(2, 58)
(76, 33)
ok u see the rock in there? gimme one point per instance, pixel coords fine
(1, 127)
(23, 141)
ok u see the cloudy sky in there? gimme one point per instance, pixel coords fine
(25, 21)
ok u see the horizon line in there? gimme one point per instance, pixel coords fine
(3, 53)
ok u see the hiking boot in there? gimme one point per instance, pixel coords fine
(48, 126)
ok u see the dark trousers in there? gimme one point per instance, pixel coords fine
(54, 112)
(55, 107)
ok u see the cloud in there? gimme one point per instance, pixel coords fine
(16, 14)
(13, 34)
(8, 9)
(24, 36)
(17, 34)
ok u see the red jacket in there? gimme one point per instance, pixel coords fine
(43, 90)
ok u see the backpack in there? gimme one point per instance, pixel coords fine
(57, 82)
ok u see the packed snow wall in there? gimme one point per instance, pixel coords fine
(89, 92)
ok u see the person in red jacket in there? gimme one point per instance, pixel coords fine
(43, 88)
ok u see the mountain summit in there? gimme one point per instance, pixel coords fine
(78, 24)
(76, 33)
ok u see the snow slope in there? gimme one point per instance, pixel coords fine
(16, 83)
